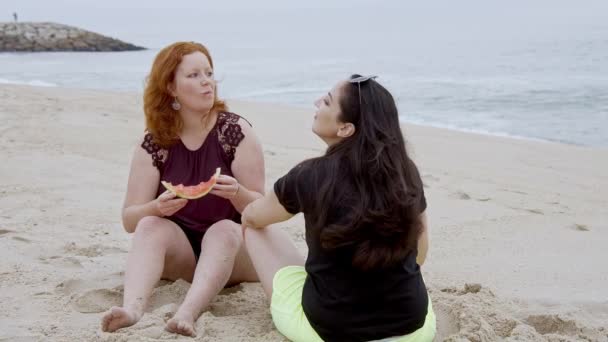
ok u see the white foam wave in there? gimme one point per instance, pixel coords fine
(36, 83)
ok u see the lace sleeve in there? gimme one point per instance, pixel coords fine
(230, 133)
(158, 154)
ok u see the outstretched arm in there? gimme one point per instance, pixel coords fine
(264, 212)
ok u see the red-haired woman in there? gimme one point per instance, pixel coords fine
(189, 134)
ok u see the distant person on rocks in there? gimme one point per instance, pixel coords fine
(15, 16)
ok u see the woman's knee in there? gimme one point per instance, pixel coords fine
(152, 228)
(225, 232)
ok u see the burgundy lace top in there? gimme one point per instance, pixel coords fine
(179, 165)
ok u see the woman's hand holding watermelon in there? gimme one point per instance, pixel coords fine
(226, 187)
(167, 204)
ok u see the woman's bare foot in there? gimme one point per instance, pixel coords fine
(118, 317)
(181, 323)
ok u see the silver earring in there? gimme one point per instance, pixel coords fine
(175, 105)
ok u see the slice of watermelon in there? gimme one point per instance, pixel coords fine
(193, 191)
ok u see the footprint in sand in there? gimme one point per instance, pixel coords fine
(88, 297)
(76, 286)
(69, 286)
(165, 295)
(95, 301)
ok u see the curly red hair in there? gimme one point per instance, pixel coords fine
(162, 121)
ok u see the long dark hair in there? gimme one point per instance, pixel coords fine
(382, 226)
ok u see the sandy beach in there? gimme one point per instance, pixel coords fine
(518, 228)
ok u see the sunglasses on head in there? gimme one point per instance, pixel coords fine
(360, 80)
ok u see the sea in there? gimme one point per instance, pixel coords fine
(532, 69)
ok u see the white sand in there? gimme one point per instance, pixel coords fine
(526, 220)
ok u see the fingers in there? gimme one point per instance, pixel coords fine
(173, 210)
(223, 194)
(227, 188)
(165, 196)
(227, 193)
(170, 207)
(225, 180)
(178, 202)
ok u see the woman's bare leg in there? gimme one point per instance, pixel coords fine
(158, 245)
(270, 249)
(223, 261)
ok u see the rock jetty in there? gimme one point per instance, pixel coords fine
(39, 37)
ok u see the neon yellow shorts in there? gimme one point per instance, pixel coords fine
(289, 318)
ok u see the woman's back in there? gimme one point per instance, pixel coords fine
(340, 300)
(364, 210)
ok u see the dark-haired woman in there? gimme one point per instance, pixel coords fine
(366, 230)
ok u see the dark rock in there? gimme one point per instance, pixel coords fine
(34, 37)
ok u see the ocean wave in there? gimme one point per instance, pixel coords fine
(474, 130)
(281, 91)
(36, 83)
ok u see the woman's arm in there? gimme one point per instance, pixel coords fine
(264, 212)
(248, 168)
(140, 199)
(423, 240)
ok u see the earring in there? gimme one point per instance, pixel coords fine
(175, 105)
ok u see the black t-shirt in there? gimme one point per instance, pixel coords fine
(341, 302)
